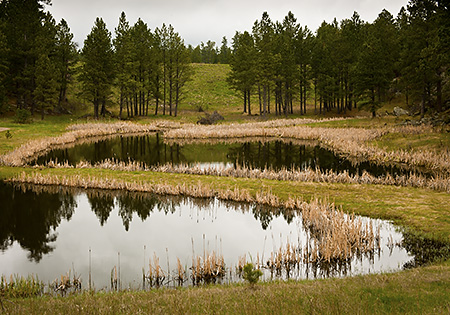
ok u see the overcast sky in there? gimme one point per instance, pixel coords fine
(203, 20)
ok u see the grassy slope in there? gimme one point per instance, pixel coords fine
(420, 290)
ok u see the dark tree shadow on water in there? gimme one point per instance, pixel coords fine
(31, 218)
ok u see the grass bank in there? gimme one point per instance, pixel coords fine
(418, 291)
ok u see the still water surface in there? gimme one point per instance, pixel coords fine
(151, 150)
(51, 232)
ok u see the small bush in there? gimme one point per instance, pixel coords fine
(251, 275)
(23, 116)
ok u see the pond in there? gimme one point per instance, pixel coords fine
(49, 231)
(151, 150)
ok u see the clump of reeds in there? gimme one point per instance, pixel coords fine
(156, 274)
(65, 284)
(21, 287)
(336, 236)
(207, 269)
(242, 261)
(181, 276)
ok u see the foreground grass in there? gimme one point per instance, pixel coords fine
(419, 291)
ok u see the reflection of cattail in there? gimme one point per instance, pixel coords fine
(114, 279)
(242, 261)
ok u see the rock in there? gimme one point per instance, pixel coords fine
(216, 117)
(398, 111)
(210, 119)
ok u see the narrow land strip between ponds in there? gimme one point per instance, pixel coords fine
(422, 210)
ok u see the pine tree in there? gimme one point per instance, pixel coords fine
(243, 67)
(3, 69)
(23, 22)
(142, 42)
(124, 64)
(224, 52)
(97, 72)
(182, 67)
(264, 35)
(65, 56)
(287, 32)
(45, 93)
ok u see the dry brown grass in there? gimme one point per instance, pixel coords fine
(439, 182)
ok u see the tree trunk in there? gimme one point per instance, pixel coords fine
(248, 102)
(120, 105)
(439, 95)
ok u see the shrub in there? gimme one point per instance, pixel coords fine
(23, 116)
(251, 274)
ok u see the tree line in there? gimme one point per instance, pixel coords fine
(347, 64)
(38, 60)
(341, 66)
(210, 53)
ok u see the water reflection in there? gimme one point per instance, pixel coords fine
(50, 230)
(151, 150)
(31, 219)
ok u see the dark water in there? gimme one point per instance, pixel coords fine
(51, 231)
(151, 150)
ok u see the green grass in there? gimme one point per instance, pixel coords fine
(21, 133)
(209, 90)
(418, 291)
(437, 141)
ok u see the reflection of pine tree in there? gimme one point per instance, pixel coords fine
(28, 218)
(101, 206)
(263, 214)
(129, 203)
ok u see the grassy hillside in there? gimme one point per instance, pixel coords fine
(209, 91)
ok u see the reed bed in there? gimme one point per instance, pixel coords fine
(348, 142)
(156, 275)
(20, 287)
(439, 181)
(206, 269)
(32, 149)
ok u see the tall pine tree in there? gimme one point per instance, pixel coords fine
(97, 72)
